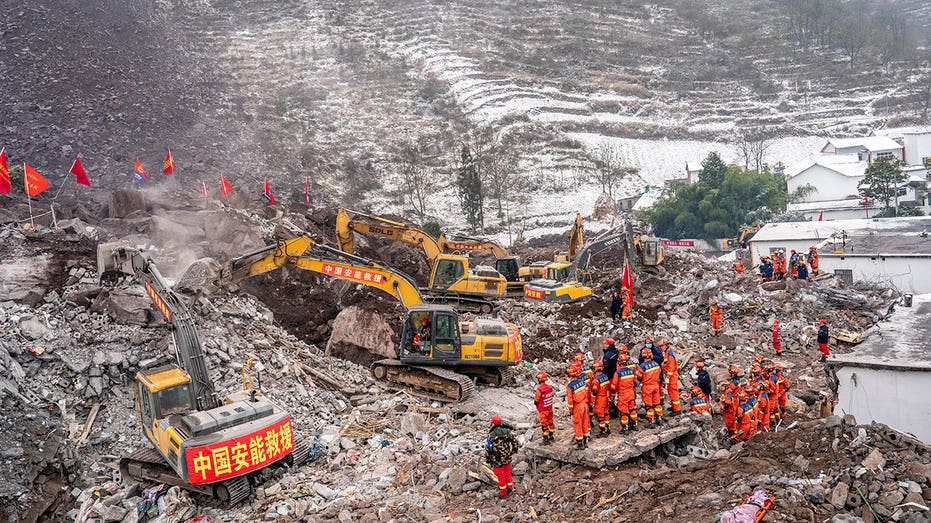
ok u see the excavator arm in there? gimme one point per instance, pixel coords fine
(576, 237)
(583, 258)
(363, 223)
(332, 262)
(460, 245)
(123, 258)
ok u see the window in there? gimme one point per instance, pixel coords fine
(844, 274)
(448, 272)
(885, 154)
(174, 400)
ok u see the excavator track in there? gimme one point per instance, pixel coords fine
(460, 301)
(147, 465)
(433, 382)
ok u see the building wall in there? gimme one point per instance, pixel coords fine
(905, 273)
(759, 248)
(830, 184)
(917, 148)
(836, 214)
(886, 396)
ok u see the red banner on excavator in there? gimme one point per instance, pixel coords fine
(235, 457)
(159, 302)
(351, 273)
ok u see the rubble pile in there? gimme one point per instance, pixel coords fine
(70, 346)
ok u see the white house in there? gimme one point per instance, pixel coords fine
(868, 148)
(898, 258)
(886, 378)
(799, 236)
(834, 176)
(915, 140)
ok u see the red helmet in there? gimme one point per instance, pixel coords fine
(579, 356)
(697, 391)
(649, 339)
(742, 395)
(823, 322)
(424, 320)
(623, 357)
(813, 248)
(699, 365)
(598, 365)
(778, 366)
(574, 371)
(733, 370)
(646, 353)
(496, 420)
(684, 396)
(775, 322)
(662, 342)
(541, 376)
(756, 368)
(609, 341)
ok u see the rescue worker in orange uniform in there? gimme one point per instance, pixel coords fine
(729, 406)
(624, 384)
(777, 337)
(627, 302)
(543, 399)
(649, 374)
(697, 402)
(764, 393)
(578, 396)
(738, 267)
(601, 398)
(769, 373)
(746, 417)
(784, 385)
(779, 266)
(670, 368)
(813, 259)
(717, 316)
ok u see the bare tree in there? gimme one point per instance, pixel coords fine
(752, 148)
(501, 173)
(608, 171)
(855, 31)
(419, 179)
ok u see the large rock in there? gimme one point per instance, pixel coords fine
(129, 306)
(24, 280)
(32, 327)
(362, 336)
(125, 202)
(839, 495)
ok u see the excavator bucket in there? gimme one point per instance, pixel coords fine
(113, 258)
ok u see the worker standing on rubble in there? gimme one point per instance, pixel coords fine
(601, 397)
(609, 359)
(775, 390)
(759, 388)
(627, 303)
(624, 384)
(670, 368)
(500, 446)
(779, 266)
(793, 263)
(717, 317)
(543, 399)
(777, 337)
(784, 385)
(823, 337)
(703, 379)
(813, 259)
(729, 406)
(655, 353)
(738, 266)
(578, 396)
(766, 268)
(746, 416)
(801, 271)
(648, 374)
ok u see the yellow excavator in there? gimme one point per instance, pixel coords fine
(200, 442)
(540, 269)
(646, 251)
(437, 352)
(564, 281)
(450, 274)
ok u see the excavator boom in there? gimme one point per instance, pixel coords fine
(384, 228)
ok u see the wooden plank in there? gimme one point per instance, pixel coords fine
(89, 423)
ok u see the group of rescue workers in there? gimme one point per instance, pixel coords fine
(749, 406)
(716, 315)
(778, 267)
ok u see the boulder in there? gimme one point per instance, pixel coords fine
(23, 280)
(362, 336)
(124, 202)
(129, 306)
(32, 327)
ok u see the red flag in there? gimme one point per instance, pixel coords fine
(203, 188)
(4, 174)
(307, 192)
(225, 186)
(268, 194)
(757, 226)
(169, 167)
(34, 182)
(78, 171)
(821, 216)
(627, 282)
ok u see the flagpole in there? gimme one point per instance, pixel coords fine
(28, 198)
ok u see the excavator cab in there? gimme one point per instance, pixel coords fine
(451, 273)
(653, 252)
(509, 267)
(559, 271)
(447, 272)
(430, 333)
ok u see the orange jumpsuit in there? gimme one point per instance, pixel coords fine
(578, 396)
(730, 405)
(784, 385)
(777, 339)
(763, 402)
(775, 390)
(698, 405)
(649, 374)
(625, 305)
(624, 383)
(747, 416)
(739, 267)
(813, 261)
(671, 370)
(543, 399)
(717, 317)
(601, 396)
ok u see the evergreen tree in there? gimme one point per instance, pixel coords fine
(712, 170)
(882, 181)
(471, 196)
